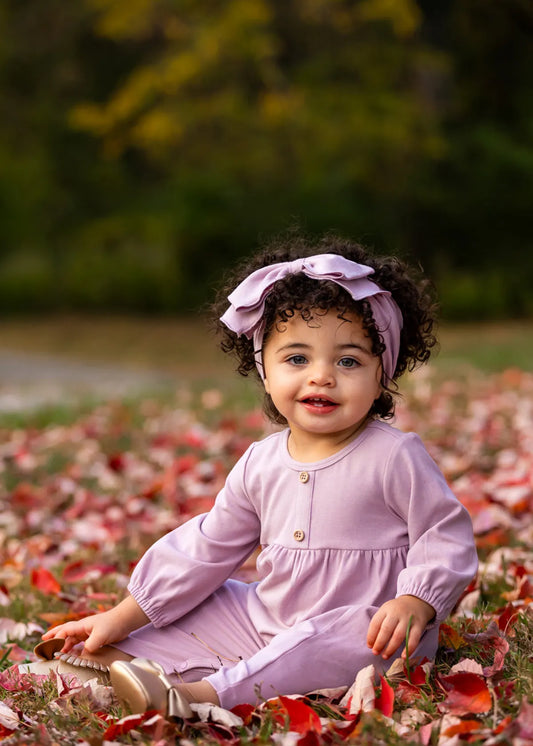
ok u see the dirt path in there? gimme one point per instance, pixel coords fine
(30, 380)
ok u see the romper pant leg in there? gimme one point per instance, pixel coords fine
(326, 651)
(218, 632)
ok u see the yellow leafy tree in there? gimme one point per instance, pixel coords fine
(266, 88)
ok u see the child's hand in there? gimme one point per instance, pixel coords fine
(101, 629)
(388, 627)
(95, 631)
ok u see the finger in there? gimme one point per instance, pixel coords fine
(373, 628)
(61, 630)
(385, 633)
(70, 642)
(98, 637)
(92, 643)
(54, 632)
(415, 635)
(396, 640)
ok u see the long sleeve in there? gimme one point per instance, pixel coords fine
(442, 558)
(184, 567)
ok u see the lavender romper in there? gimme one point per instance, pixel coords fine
(339, 537)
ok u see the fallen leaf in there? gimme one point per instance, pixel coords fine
(461, 727)
(525, 720)
(13, 681)
(245, 712)
(11, 630)
(361, 696)
(299, 716)
(44, 581)
(467, 665)
(385, 701)
(128, 723)
(449, 637)
(8, 718)
(77, 571)
(210, 712)
(466, 693)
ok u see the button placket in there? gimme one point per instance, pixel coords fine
(302, 514)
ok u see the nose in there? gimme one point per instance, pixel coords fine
(321, 374)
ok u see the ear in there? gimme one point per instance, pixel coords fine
(266, 385)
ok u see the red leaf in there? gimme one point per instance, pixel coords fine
(125, 724)
(116, 462)
(496, 538)
(465, 726)
(244, 711)
(407, 693)
(309, 739)
(43, 580)
(385, 701)
(505, 723)
(346, 729)
(77, 571)
(501, 648)
(418, 676)
(507, 618)
(301, 717)
(467, 693)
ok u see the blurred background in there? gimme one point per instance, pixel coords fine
(145, 145)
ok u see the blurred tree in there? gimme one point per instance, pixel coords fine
(470, 208)
(255, 112)
(147, 144)
(52, 180)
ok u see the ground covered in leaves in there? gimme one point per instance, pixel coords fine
(81, 501)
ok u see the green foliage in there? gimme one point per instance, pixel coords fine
(147, 144)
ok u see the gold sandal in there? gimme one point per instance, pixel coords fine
(51, 659)
(143, 685)
(50, 650)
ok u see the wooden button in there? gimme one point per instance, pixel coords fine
(299, 535)
(303, 476)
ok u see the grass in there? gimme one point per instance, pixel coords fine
(490, 347)
(184, 350)
(187, 349)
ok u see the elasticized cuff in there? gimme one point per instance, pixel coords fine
(147, 604)
(424, 595)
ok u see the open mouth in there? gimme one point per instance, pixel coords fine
(319, 402)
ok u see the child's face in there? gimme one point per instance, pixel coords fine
(322, 376)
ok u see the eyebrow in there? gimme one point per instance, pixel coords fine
(303, 346)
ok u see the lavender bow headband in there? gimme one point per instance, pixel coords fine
(247, 301)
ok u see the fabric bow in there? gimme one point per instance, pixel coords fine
(247, 301)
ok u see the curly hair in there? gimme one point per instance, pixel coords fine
(298, 293)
